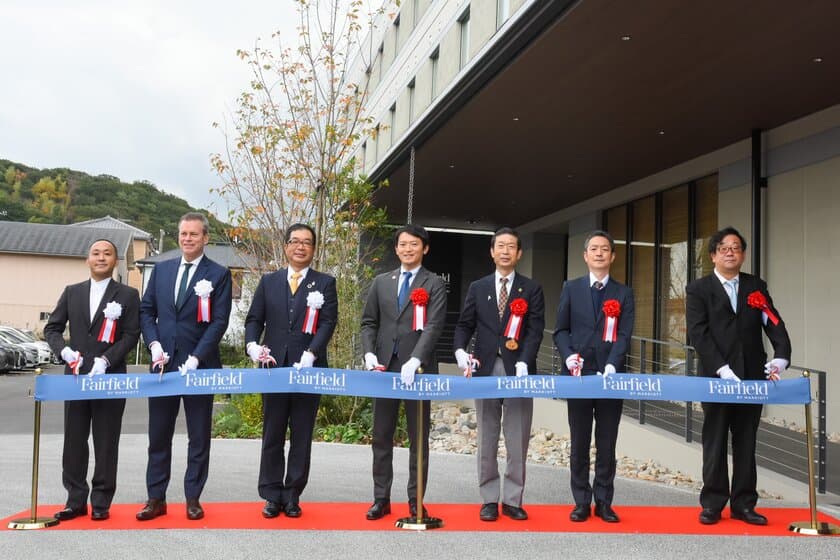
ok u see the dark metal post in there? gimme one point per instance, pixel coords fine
(642, 369)
(821, 432)
(689, 406)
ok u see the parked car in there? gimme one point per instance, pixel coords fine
(29, 341)
(15, 357)
(30, 350)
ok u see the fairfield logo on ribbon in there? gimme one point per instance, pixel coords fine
(215, 380)
(745, 390)
(111, 384)
(529, 384)
(424, 385)
(324, 382)
(633, 385)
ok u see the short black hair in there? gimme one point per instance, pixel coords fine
(504, 230)
(413, 230)
(116, 251)
(198, 217)
(299, 226)
(717, 238)
(599, 233)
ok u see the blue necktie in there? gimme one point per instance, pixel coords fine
(732, 292)
(403, 295)
(182, 287)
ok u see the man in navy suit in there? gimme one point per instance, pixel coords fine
(506, 343)
(96, 346)
(284, 310)
(392, 341)
(594, 324)
(724, 324)
(182, 330)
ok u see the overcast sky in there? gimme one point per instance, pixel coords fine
(129, 88)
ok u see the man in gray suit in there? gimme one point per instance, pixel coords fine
(401, 323)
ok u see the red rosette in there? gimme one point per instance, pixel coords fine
(612, 308)
(419, 296)
(757, 300)
(519, 307)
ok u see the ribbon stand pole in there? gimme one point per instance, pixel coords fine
(419, 523)
(33, 521)
(812, 527)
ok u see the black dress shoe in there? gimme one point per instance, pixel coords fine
(271, 509)
(489, 512)
(412, 509)
(378, 510)
(194, 509)
(293, 510)
(515, 513)
(749, 516)
(709, 516)
(580, 513)
(69, 513)
(154, 508)
(100, 515)
(605, 512)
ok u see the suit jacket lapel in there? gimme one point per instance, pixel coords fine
(419, 280)
(299, 299)
(85, 303)
(108, 296)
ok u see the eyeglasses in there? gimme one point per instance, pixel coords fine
(304, 242)
(734, 249)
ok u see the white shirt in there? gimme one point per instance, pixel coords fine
(499, 277)
(411, 278)
(302, 273)
(181, 273)
(97, 290)
(593, 279)
(724, 280)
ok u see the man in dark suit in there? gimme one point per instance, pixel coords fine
(284, 308)
(594, 324)
(725, 318)
(506, 343)
(391, 337)
(104, 319)
(183, 315)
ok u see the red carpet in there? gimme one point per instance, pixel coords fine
(457, 517)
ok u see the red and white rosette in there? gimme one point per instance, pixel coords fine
(314, 302)
(612, 311)
(757, 300)
(203, 289)
(112, 312)
(420, 298)
(518, 309)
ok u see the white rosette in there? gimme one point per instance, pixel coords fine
(112, 312)
(314, 302)
(203, 289)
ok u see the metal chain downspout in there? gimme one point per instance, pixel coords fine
(410, 211)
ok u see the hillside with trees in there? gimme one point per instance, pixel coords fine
(66, 196)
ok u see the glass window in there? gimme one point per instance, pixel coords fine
(502, 12)
(616, 225)
(706, 223)
(411, 101)
(464, 23)
(433, 60)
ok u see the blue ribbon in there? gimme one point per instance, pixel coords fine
(329, 381)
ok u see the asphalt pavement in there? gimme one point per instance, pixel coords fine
(339, 473)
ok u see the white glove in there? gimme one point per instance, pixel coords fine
(306, 360)
(408, 370)
(190, 365)
(725, 372)
(609, 369)
(99, 367)
(69, 355)
(157, 353)
(521, 369)
(463, 359)
(775, 367)
(372, 363)
(574, 363)
(254, 351)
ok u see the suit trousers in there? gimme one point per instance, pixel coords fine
(719, 420)
(297, 412)
(385, 416)
(606, 413)
(513, 416)
(105, 418)
(163, 411)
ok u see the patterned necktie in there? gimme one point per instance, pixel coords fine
(598, 285)
(182, 287)
(293, 283)
(403, 295)
(503, 296)
(732, 292)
